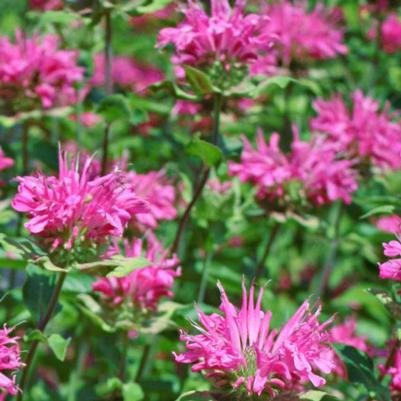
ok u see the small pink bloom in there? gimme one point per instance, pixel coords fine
(239, 349)
(155, 188)
(74, 206)
(304, 35)
(5, 162)
(394, 370)
(365, 131)
(46, 5)
(127, 73)
(146, 286)
(228, 35)
(323, 175)
(34, 72)
(10, 361)
(390, 224)
(87, 119)
(392, 268)
(390, 34)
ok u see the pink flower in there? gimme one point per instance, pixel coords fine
(143, 287)
(227, 36)
(156, 189)
(392, 268)
(10, 361)
(46, 5)
(315, 167)
(127, 73)
(394, 370)
(390, 34)
(74, 206)
(34, 72)
(5, 162)
(238, 349)
(345, 333)
(87, 119)
(365, 132)
(304, 35)
(390, 224)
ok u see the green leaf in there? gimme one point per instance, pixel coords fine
(173, 89)
(385, 209)
(281, 81)
(153, 6)
(361, 371)
(387, 300)
(200, 83)
(127, 265)
(315, 395)
(35, 335)
(57, 17)
(37, 292)
(78, 283)
(196, 396)
(132, 392)
(210, 154)
(115, 107)
(59, 346)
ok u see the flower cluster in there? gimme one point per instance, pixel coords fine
(238, 348)
(392, 268)
(74, 206)
(5, 162)
(10, 361)
(313, 168)
(226, 38)
(143, 287)
(394, 370)
(365, 132)
(304, 35)
(388, 33)
(155, 188)
(126, 73)
(34, 72)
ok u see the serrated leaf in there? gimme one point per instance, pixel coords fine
(210, 154)
(127, 265)
(200, 83)
(115, 107)
(59, 346)
(132, 392)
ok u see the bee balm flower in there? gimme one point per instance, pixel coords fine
(238, 349)
(228, 36)
(10, 361)
(74, 206)
(392, 268)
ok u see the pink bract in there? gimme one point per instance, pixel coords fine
(74, 206)
(10, 361)
(228, 35)
(316, 166)
(304, 35)
(365, 131)
(237, 348)
(34, 72)
(143, 287)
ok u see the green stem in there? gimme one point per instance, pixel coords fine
(269, 243)
(143, 362)
(205, 271)
(124, 355)
(76, 373)
(332, 254)
(25, 150)
(108, 82)
(217, 102)
(41, 326)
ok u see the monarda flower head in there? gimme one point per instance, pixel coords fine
(226, 41)
(160, 194)
(10, 362)
(73, 208)
(35, 73)
(238, 350)
(392, 268)
(143, 288)
(365, 131)
(314, 169)
(303, 35)
(389, 32)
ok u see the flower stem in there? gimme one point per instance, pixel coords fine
(41, 326)
(217, 102)
(332, 254)
(205, 271)
(261, 265)
(108, 82)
